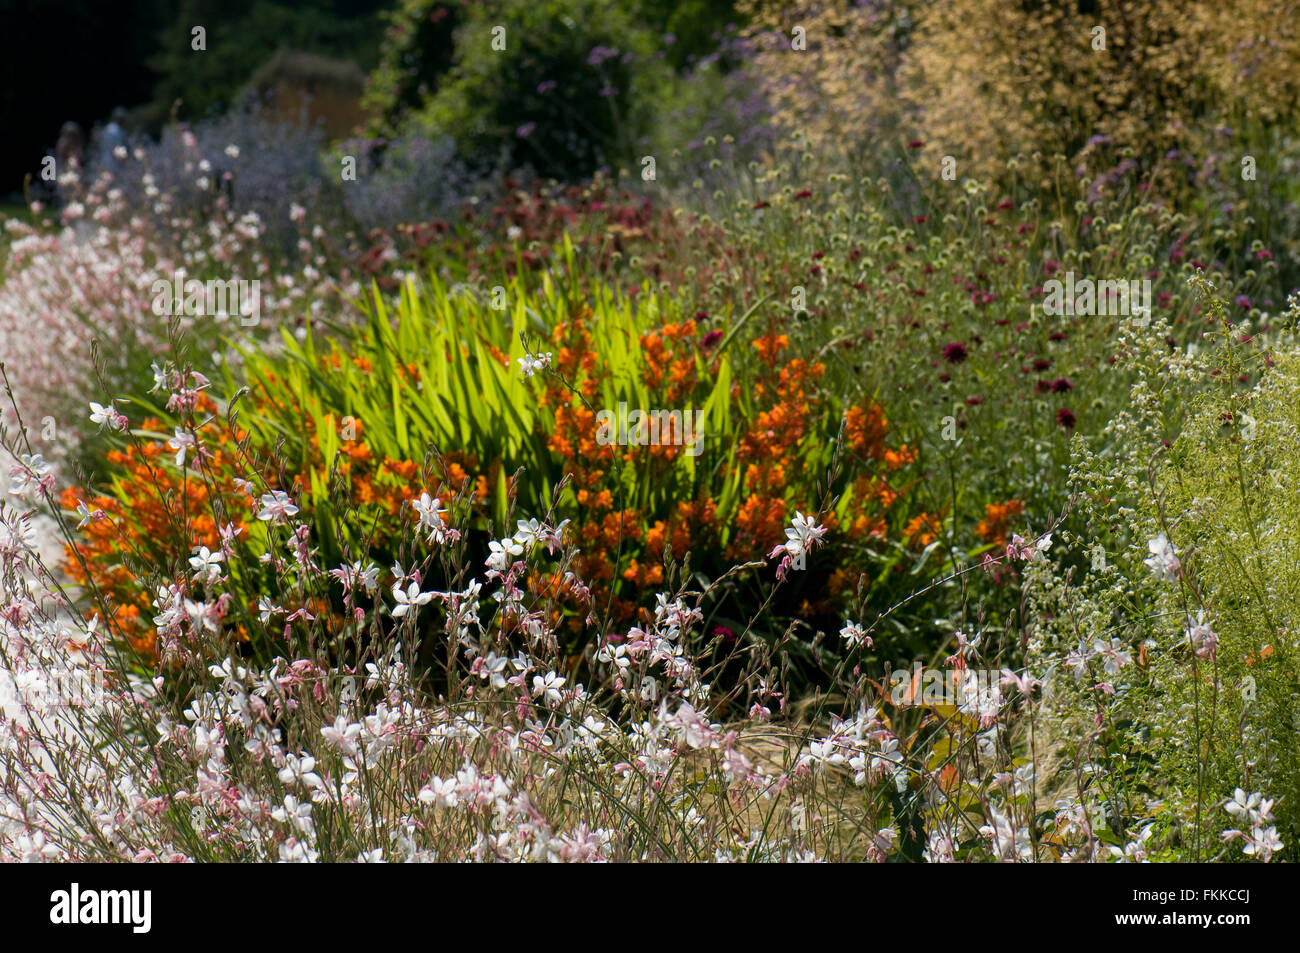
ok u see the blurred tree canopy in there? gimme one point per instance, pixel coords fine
(568, 87)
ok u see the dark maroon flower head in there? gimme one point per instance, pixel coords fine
(954, 353)
(915, 144)
(1065, 417)
(1042, 364)
(1043, 387)
(710, 339)
(1061, 385)
(803, 194)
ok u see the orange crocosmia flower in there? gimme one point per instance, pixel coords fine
(868, 526)
(894, 459)
(769, 346)
(865, 429)
(922, 530)
(655, 536)
(997, 520)
(1264, 653)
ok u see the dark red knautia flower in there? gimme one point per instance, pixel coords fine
(954, 353)
(1065, 417)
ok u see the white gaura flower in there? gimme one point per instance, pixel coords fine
(358, 574)
(181, 442)
(493, 668)
(31, 470)
(1041, 547)
(1203, 638)
(853, 635)
(343, 736)
(301, 770)
(531, 365)
(1264, 843)
(430, 516)
(1115, 657)
(1243, 805)
(276, 506)
(502, 552)
(87, 515)
(440, 792)
(103, 416)
(802, 533)
(410, 599)
(295, 812)
(1163, 560)
(548, 687)
(528, 532)
(206, 564)
(266, 610)
(17, 534)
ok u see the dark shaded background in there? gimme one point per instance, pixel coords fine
(76, 60)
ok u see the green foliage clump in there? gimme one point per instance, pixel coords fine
(242, 36)
(1211, 465)
(561, 86)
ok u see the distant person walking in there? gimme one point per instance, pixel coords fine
(114, 134)
(71, 145)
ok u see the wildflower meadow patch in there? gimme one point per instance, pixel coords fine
(672, 433)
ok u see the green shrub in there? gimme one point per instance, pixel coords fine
(562, 86)
(1210, 464)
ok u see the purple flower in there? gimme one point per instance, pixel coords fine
(599, 54)
(1243, 302)
(526, 130)
(546, 86)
